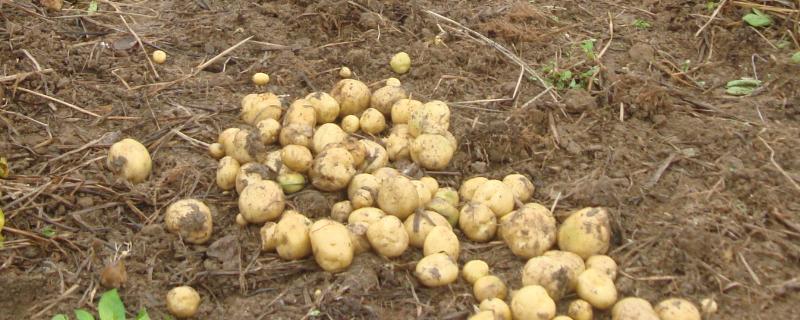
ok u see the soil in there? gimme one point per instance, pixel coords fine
(702, 186)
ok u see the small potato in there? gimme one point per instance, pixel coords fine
(226, 139)
(448, 194)
(633, 308)
(585, 232)
(580, 310)
(295, 133)
(216, 150)
(441, 239)
(393, 82)
(677, 309)
(709, 306)
(498, 307)
(398, 196)
(469, 186)
(190, 219)
(474, 270)
(573, 263)
(292, 237)
(257, 107)
(227, 170)
(297, 158)
(430, 183)
(442, 207)
(376, 156)
(247, 146)
(436, 270)
(419, 226)
(332, 169)
(362, 198)
(372, 121)
(240, 221)
(496, 195)
(353, 96)
(268, 130)
(532, 303)
(268, 239)
(130, 160)
(367, 215)
(398, 143)
(291, 182)
(301, 112)
(388, 237)
(183, 302)
(331, 245)
(483, 315)
(489, 287)
(251, 172)
(351, 123)
(597, 288)
(400, 63)
(432, 118)
(401, 110)
(261, 201)
(159, 56)
(358, 237)
(423, 192)
(520, 186)
(345, 73)
(364, 181)
(326, 107)
(550, 273)
(327, 134)
(341, 211)
(529, 231)
(478, 222)
(260, 79)
(431, 151)
(603, 263)
(384, 98)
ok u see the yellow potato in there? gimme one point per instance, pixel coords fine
(364, 181)
(384, 98)
(474, 270)
(423, 193)
(301, 112)
(562, 318)
(550, 273)
(345, 72)
(159, 56)
(709, 306)
(633, 308)
(326, 107)
(398, 143)
(441, 239)
(216, 150)
(341, 211)
(431, 151)
(597, 288)
(356, 149)
(297, 158)
(353, 96)
(393, 82)
(296, 133)
(489, 287)
(388, 237)
(585, 232)
(190, 219)
(532, 303)
(384, 173)
(469, 187)
(677, 309)
(573, 263)
(483, 315)
(418, 227)
(366, 215)
(183, 302)
(376, 156)
(332, 169)
(603, 263)
(432, 118)
(130, 160)
(496, 195)
(448, 194)
(397, 196)
(260, 79)
(580, 310)
(268, 239)
(250, 173)
(274, 162)
(227, 170)
(478, 222)
(358, 237)
(257, 107)
(401, 110)
(291, 182)
(261, 201)
(442, 207)
(400, 62)
(498, 307)
(431, 184)
(240, 221)
(331, 245)
(436, 270)
(372, 121)
(268, 130)
(226, 139)
(351, 123)
(291, 234)
(362, 198)
(528, 231)
(247, 146)
(327, 134)
(520, 186)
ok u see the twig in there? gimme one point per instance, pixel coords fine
(24, 75)
(77, 108)
(657, 175)
(555, 202)
(526, 104)
(713, 15)
(190, 139)
(135, 36)
(223, 53)
(749, 270)
(778, 166)
(611, 37)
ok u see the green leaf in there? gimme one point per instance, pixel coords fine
(48, 232)
(83, 315)
(757, 19)
(59, 317)
(110, 306)
(588, 47)
(92, 6)
(739, 91)
(142, 315)
(795, 59)
(641, 24)
(589, 73)
(743, 82)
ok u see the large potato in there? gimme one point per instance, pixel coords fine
(372, 121)
(550, 273)
(388, 237)
(353, 96)
(489, 287)
(520, 186)
(301, 112)
(677, 309)
(331, 245)
(297, 158)
(441, 239)
(474, 270)
(478, 222)
(190, 219)
(436, 270)
(261, 201)
(291, 234)
(496, 195)
(397, 196)
(419, 226)
(296, 133)
(573, 262)
(326, 107)
(597, 288)
(580, 310)
(432, 118)
(529, 231)
(367, 215)
(633, 308)
(252, 172)
(431, 151)
(257, 107)
(398, 143)
(384, 98)
(130, 160)
(498, 307)
(585, 232)
(358, 237)
(327, 134)
(532, 303)
(226, 173)
(268, 130)
(247, 146)
(603, 263)
(423, 193)
(376, 156)
(468, 187)
(401, 110)
(268, 239)
(332, 169)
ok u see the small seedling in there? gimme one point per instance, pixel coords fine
(795, 59)
(711, 5)
(48, 232)
(110, 307)
(588, 48)
(641, 24)
(742, 87)
(757, 19)
(92, 7)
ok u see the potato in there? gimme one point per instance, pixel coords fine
(260, 79)
(580, 310)
(442, 207)
(247, 146)
(529, 231)
(384, 98)
(432, 118)
(268, 130)
(436, 270)
(709, 306)
(388, 237)
(332, 169)
(550, 273)
(483, 315)
(291, 234)
(353, 96)
(633, 308)
(190, 219)
(393, 82)
(448, 194)
(274, 162)
(268, 239)
(677, 309)
(419, 226)
(296, 133)
(469, 187)
(498, 307)
(372, 122)
(345, 72)
(291, 182)
(451, 139)
(532, 303)
(398, 143)
(351, 123)
(496, 195)
(250, 173)
(325, 106)
(216, 150)
(474, 270)
(597, 288)
(362, 198)
(431, 151)
(401, 110)
(585, 232)
(331, 245)
(130, 160)
(327, 134)
(398, 196)
(376, 156)
(520, 186)
(366, 215)
(400, 63)
(183, 301)
(257, 107)
(356, 149)
(300, 112)
(424, 195)
(261, 201)
(364, 181)
(430, 183)
(384, 173)
(227, 170)
(441, 239)
(603, 263)
(341, 211)
(562, 318)
(358, 237)
(226, 139)
(572, 262)
(297, 158)
(489, 287)
(478, 222)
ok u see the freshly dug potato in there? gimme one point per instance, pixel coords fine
(520, 186)
(572, 262)
(226, 173)
(431, 151)
(397, 196)
(260, 79)
(384, 173)
(483, 315)
(562, 318)
(474, 270)
(532, 303)
(442, 207)
(419, 226)
(400, 62)
(268, 130)
(448, 194)
(250, 173)
(388, 237)
(292, 236)
(401, 110)
(398, 143)
(633, 308)
(585, 232)
(332, 169)
(341, 211)
(677, 309)
(130, 160)
(550, 273)
(423, 193)
(226, 139)
(345, 73)
(353, 96)
(183, 301)
(393, 82)
(351, 123)
(274, 162)
(247, 146)
(489, 287)
(268, 239)
(296, 133)
(327, 134)
(257, 107)
(366, 215)
(597, 288)
(297, 158)
(358, 237)
(452, 139)
(478, 222)
(603, 263)
(362, 198)
(441, 239)
(469, 187)
(709, 306)
(384, 98)
(498, 307)
(376, 156)
(356, 149)
(580, 310)
(291, 182)
(216, 150)
(432, 118)
(326, 107)
(331, 245)
(261, 201)
(363, 181)
(496, 195)
(190, 219)
(436, 270)
(529, 231)
(301, 112)
(431, 184)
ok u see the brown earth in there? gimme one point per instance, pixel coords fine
(702, 186)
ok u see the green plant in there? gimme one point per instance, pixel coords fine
(48, 232)
(711, 5)
(566, 79)
(795, 59)
(588, 48)
(742, 87)
(641, 24)
(757, 18)
(110, 307)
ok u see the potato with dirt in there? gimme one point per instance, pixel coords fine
(300, 112)
(358, 237)
(520, 186)
(190, 219)
(367, 215)
(677, 309)
(580, 310)
(478, 222)
(586, 232)
(529, 231)
(247, 146)
(130, 160)
(341, 210)
(251, 172)
(351, 123)
(325, 106)
(296, 133)
(603, 263)
(436, 270)
(498, 307)
(376, 156)
(388, 237)
(432, 118)
(183, 302)
(268, 239)
(489, 287)
(363, 181)
(397, 196)
(423, 193)
(332, 169)
(227, 170)
(441, 239)
(597, 288)
(496, 195)
(633, 308)
(261, 106)
(362, 198)
(384, 98)
(402, 109)
(468, 187)
(532, 303)
(331, 245)
(474, 270)
(418, 226)
(226, 139)
(325, 135)
(297, 158)
(398, 143)
(292, 236)
(352, 95)
(550, 273)
(573, 262)
(261, 201)
(431, 151)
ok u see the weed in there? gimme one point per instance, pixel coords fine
(757, 19)
(110, 307)
(588, 48)
(641, 24)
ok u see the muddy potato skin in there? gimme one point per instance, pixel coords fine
(418, 228)
(489, 287)
(362, 198)
(226, 139)
(268, 239)
(182, 302)
(358, 237)
(498, 307)
(432, 118)
(191, 219)
(532, 303)
(301, 112)
(384, 98)
(468, 187)
(496, 195)
(441, 239)
(268, 130)
(372, 121)
(431, 151)
(261, 201)
(529, 231)
(397, 196)
(326, 107)
(332, 169)
(580, 310)
(550, 273)
(423, 193)
(296, 133)
(376, 156)
(351, 123)
(478, 222)
(401, 110)
(227, 171)
(341, 210)
(474, 270)
(633, 308)
(353, 96)
(677, 309)
(603, 263)
(436, 270)
(573, 262)
(364, 181)
(398, 144)
(292, 236)
(331, 245)
(388, 237)
(130, 160)
(368, 215)
(327, 134)
(585, 232)
(597, 288)
(257, 107)
(246, 146)
(250, 173)
(520, 186)
(296, 157)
